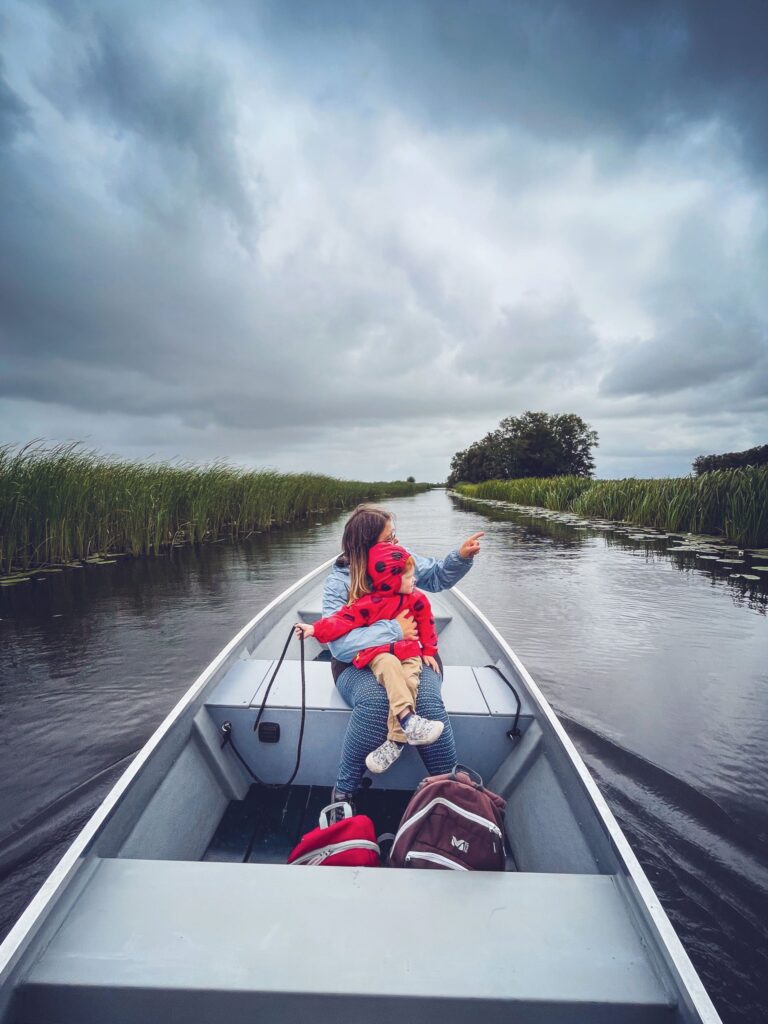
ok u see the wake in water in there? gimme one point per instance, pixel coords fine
(29, 853)
(709, 869)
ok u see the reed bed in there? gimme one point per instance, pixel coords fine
(732, 503)
(63, 504)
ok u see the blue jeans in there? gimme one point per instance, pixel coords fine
(367, 727)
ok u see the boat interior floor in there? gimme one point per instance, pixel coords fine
(269, 822)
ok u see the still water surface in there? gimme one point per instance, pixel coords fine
(658, 668)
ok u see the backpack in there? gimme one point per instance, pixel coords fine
(451, 822)
(350, 842)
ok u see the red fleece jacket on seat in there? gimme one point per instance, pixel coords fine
(386, 564)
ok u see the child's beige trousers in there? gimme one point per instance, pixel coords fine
(401, 681)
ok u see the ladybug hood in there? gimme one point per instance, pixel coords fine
(386, 564)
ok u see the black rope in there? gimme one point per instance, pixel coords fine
(514, 731)
(226, 727)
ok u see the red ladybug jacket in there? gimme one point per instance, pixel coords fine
(386, 563)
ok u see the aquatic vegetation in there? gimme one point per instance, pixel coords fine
(64, 503)
(730, 502)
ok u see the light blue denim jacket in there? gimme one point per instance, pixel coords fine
(431, 575)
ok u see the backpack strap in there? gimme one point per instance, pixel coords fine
(347, 807)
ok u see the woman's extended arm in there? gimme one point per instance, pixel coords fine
(434, 576)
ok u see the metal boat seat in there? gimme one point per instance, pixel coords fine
(480, 704)
(211, 941)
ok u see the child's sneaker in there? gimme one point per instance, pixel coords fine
(383, 757)
(420, 732)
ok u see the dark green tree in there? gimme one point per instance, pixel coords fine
(534, 444)
(731, 460)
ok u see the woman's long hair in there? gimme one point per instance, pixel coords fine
(362, 531)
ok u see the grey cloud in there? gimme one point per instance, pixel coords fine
(14, 114)
(531, 336)
(703, 349)
(599, 67)
(181, 111)
(124, 307)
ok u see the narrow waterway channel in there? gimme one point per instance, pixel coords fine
(657, 664)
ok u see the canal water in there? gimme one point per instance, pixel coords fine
(656, 663)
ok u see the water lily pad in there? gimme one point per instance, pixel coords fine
(709, 558)
(731, 561)
(760, 568)
(13, 582)
(689, 550)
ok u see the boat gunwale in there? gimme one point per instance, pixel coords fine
(688, 976)
(34, 915)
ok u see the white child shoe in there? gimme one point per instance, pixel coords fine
(420, 732)
(383, 757)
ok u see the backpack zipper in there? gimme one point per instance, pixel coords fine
(435, 858)
(318, 856)
(491, 826)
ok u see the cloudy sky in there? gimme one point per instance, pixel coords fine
(352, 236)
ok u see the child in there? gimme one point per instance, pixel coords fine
(397, 666)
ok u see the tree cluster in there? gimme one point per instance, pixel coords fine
(731, 460)
(534, 444)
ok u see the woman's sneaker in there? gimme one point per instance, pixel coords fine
(420, 732)
(337, 813)
(383, 757)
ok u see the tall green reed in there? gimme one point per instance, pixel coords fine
(729, 502)
(63, 503)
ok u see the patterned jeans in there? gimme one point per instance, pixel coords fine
(367, 727)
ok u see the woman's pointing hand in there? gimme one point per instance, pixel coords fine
(471, 545)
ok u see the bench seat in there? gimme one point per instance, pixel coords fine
(198, 942)
(480, 704)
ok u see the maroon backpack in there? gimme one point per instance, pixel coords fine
(451, 822)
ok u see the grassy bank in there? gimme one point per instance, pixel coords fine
(732, 503)
(61, 504)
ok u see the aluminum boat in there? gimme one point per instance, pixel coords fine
(175, 903)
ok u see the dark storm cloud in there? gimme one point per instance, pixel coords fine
(270, 221)
(568, 70)
(178, 110)
(701, 350)
(14, 116)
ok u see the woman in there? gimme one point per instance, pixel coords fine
(367, 727)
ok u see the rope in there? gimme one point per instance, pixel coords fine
(514, 731)
(226, 727)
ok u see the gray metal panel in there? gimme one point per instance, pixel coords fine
(321, 690)
(545, 834)
(557, 947)
(461, 694)
(238, 687)
(481, 742)
(498, 695)
(182, 814)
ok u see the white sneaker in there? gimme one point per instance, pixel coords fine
(420, 732)
(383, 757)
